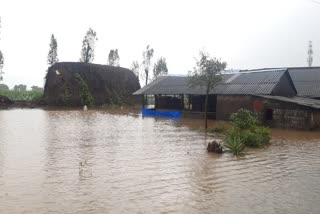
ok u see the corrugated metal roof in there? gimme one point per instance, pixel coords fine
(306, 81)
(303, 101)
(262, 82)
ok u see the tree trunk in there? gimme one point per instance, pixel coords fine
(147, 75)
(206, 111)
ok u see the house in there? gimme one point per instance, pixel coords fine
(271, 93)
(306, 81)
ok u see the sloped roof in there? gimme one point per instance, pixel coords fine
(303, 101)
(257, 82)
(306, 81)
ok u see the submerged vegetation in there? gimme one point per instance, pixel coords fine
(234, 144)
(245, 131)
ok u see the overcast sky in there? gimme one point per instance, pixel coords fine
(244, 33)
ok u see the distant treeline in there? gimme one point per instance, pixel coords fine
(141, 70)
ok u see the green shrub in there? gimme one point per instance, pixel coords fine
(263, 133)
(244, 119)
(234, 144)
(256, 136)
(250, 138)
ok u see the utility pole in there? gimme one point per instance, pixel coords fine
(310, 54)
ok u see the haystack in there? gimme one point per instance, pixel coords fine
(77, 84)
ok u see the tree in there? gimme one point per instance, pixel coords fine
(88, 45)
(310, 54)
(1, 65)
(20, 87)
(135, 68)
(4, 87)
(207, 74)
(36, 89)
(160, 68)
(1, 60)
(113, 58)
(147, 56)
(0, 24)
(53, 51)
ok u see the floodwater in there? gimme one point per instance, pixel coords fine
(100, 162)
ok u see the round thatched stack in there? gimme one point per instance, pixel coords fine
(76, 84)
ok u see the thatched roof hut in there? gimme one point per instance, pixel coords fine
(76, 84)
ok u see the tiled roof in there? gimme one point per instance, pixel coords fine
(258, 82)
(306, 81)
(303, 101)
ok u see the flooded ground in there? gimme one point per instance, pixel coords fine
(97, 162)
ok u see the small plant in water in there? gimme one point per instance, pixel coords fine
(234, 144)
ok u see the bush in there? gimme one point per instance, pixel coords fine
(244, 119)
(245, 127)
(234, 144)
(254, 137)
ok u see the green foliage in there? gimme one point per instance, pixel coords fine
(66, 95)
(135, 68)
(234, 144)
(4, 87)
(53, 51)
(36, 88)
(245, 127)
(244, 119)
(22, 95)
(1, 64)
(160, 68)
(85, 95)
(113, 58)
(206, 74)
(20, 87)
(88, 46)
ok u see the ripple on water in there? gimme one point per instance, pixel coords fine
(147, 165)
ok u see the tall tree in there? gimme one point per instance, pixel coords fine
(88, 45)
(113, 58)
(20, 87)
(206, 74)
(1, 60)
(1, 64)
(310, 54)
(0, 26)
(135, 68)
(160, 68)
(147, 56)
(53, 51)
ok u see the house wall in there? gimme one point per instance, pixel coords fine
(228, 104)
(284, 114)
(284, 87)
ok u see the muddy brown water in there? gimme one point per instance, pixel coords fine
(102, 162)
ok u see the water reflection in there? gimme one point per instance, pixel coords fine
(136, 165)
